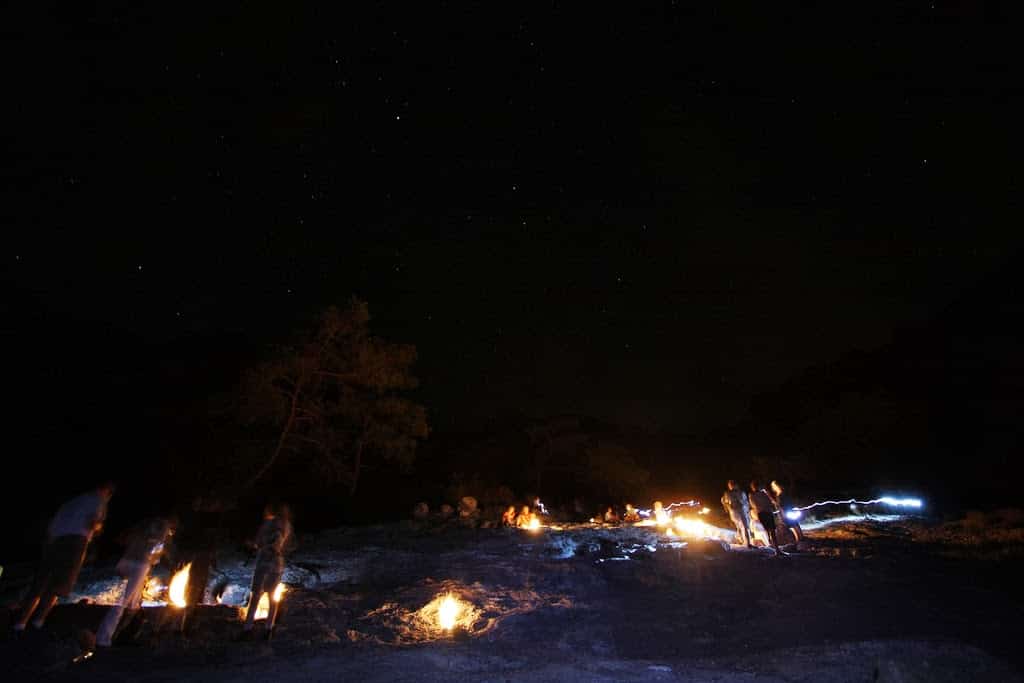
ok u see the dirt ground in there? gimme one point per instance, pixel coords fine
(895, 600)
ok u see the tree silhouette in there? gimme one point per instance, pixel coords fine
(335, 399)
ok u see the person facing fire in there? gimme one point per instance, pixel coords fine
(274, 539)
(611, 516)
(73, 526)
(147, 544)
(508, 518)
(782, 504)
(762, 507)
(660, 515)
(631, 515)
(735, 503)
(524, 517)
(197, 544)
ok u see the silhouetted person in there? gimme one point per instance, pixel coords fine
(631, 515)
(611, 516)
(508, 518)
(72, 527)
(197, 545)
(762, 507)
(147, 545)
(524, 517)
(734, 500)
(782, 504)
(274, 539)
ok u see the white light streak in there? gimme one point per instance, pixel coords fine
(885, 500)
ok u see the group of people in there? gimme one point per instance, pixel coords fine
(760, 512)
(523, 519)
(629, 515)
(152, 541)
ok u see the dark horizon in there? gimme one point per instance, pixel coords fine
(796, 242)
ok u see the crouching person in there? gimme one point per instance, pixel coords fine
(147, 545)
(274, 540)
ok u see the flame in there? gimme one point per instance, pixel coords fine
(534, 523)
(661, 517)
(176, 589)
(704, 511)
(694, 528)
(153, 590)
(263, 607)
(448, 612)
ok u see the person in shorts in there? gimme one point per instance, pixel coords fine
(68, 536)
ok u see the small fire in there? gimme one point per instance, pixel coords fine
(176, 590)
(154, 589)
(695, 528)
(263, 607)
(534, 523)
(448, 612)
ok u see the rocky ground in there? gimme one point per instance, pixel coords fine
(892, 599)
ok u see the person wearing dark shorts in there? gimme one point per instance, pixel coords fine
(61, 563)
(68, 536)
(764, 509)
(792, 525)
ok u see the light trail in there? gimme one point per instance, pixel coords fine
(916, 503)
(684, 503)
(812, 526)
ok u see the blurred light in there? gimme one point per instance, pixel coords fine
(916, 503)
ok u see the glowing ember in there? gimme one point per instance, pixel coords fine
(448, 612)
(534, 523)
(176, 590)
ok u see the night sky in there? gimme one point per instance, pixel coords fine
(649, 215)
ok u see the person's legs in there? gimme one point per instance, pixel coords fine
(46, 605)
(27, 611)
(64, 561)
(768, 522)
(40, 586)
(737, 521)
(255, 593)
(198, 577)
(131, 599)
(105, 634)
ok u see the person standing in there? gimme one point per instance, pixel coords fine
(197, 545)
(735, 503)
(73, 526)
(781, 504)
(273, 540)
(762, 507)
(146, 548)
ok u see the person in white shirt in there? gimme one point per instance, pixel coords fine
(68, 536)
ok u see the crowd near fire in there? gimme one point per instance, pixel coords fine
(762, 516)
